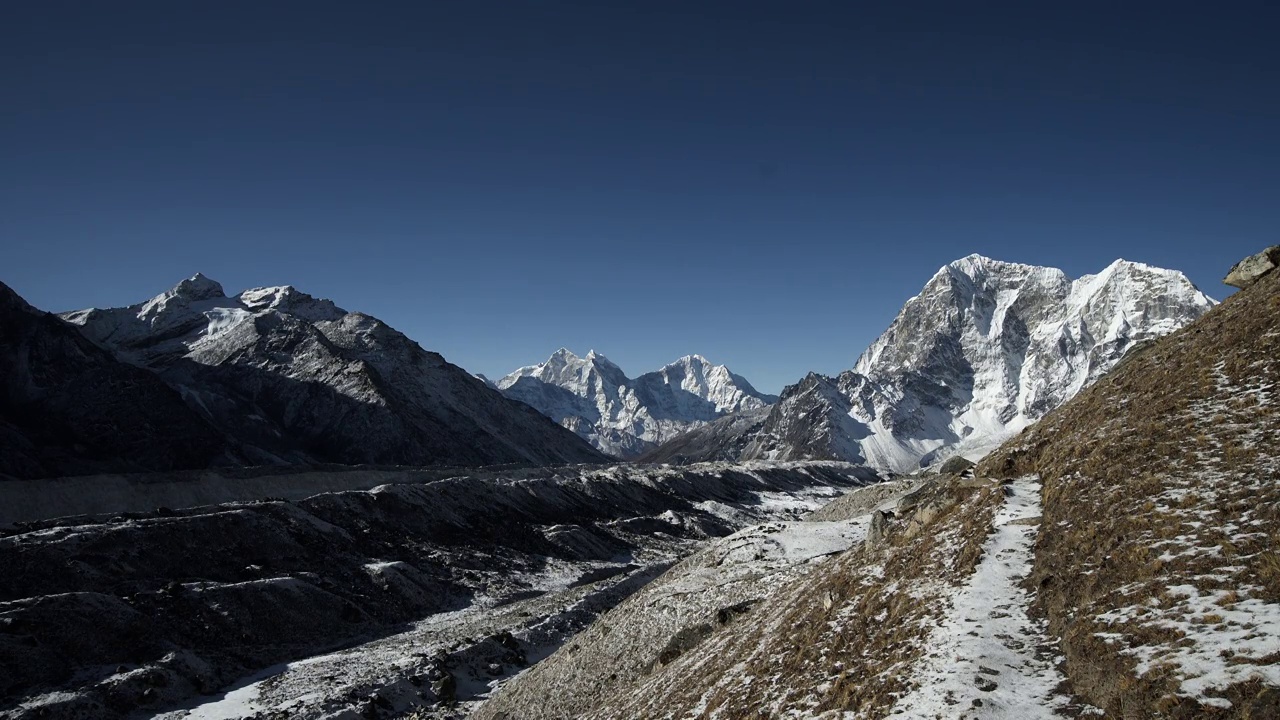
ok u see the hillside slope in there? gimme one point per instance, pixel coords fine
(1160, 556)
(1121, 557)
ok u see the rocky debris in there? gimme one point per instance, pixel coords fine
(699, 600)
(68, 407)
(859, 502)
(720, 440)
(1249, 270)
(238, 587)
(295, 379)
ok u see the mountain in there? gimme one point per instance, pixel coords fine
(1119, 559)
(624, 417)
(984, 350)
(297, 379)
(68, 407)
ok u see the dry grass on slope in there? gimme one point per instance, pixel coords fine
(1158, 562)
(841, 639)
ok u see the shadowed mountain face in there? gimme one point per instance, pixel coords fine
(68, 407)
(984, 350)
(296, 379)
(625, 416)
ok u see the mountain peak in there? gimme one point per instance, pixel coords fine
(288, 299)
(624, 415)
(198, 287)
(973, 265)
(563, 355)
(987, 348)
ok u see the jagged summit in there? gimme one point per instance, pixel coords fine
(985, 349)
(623, 416)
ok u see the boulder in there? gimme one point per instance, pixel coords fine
(876, 532)
(1247, 271)
(955, 465)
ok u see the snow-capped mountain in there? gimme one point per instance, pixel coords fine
(622, 416)
(984, 350)
(294, 378)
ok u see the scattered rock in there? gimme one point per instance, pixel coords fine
(955, 465)
(445, 688)
(877, 529)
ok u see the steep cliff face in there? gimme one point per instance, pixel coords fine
(297, 379)
(984, 350)
(625, 417)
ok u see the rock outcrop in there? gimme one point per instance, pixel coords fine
(1249, 270)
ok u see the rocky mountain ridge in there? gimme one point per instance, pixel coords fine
(295, 379)
(623, 416)
(984, 350)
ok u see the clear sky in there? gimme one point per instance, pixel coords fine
(763, 184)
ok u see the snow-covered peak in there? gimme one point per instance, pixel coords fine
(691, 361)
(602, 361)
(625, 416)
(563, 355)
(174, 305)
(986, 348)
(288, 299)
(198, 287)
(178, 320)
(579, 375)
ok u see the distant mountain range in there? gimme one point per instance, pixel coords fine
(193, 378)
(984, 350)
(624, 416)
(269, 376)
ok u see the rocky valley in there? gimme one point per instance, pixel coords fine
(264, 506)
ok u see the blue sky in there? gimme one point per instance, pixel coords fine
(761, 183)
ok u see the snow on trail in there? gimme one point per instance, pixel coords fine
(988, 658)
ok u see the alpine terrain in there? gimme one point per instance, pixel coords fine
(1119, 558)
(984, 350)
(624, 417)
(294, 379)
